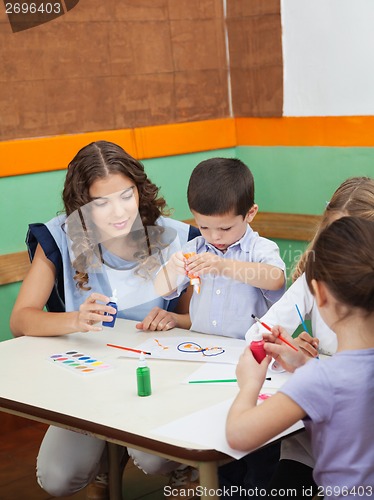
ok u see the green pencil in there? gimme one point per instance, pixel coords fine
(211, 381)
(216, 381)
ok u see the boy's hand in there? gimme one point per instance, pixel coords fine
(168, 277)
(177, 263)
(157, 320)
(204, 263)
(249, 371)
(285, 356)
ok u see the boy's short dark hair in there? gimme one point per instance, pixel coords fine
(221, 185)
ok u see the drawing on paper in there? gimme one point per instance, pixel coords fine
(164, 347)
(194, 347)
(190, 348)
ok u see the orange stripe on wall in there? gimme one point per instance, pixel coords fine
(43, 154)
(343, 131)
(182, 138)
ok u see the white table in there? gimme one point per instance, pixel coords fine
(106, 404)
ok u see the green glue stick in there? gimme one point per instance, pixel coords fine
(143, 377)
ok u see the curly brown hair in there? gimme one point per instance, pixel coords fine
(96, 161)
(354, 197)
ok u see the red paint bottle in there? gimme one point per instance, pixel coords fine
(257, 347)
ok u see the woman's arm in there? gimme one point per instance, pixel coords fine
(28, 316)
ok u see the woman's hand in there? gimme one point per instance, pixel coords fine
(249, 371)
(288, 358)
(92, 312)
(158, 320)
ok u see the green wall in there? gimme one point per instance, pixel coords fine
(288, 179)
(301, 179)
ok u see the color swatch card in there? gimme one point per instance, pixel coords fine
(78, 362)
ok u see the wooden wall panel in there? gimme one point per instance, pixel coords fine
(245, 8)
(109, 65)
(256, 65)
(118, 65)
(144, 99)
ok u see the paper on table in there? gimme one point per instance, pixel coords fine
(211, 371)
(207, 428)
(190, 348)
(227, 372)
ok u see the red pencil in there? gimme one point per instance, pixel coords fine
(129, 349)
(268, 328)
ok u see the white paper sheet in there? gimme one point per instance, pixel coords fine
(188, 348)
(207, 427)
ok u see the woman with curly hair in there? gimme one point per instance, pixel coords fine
(114, 233)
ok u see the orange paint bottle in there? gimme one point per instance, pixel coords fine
(194, 279)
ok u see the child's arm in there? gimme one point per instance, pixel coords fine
(308, 344)
(168, 278)
(288, 358)
(284, 313)
(249, 426)
(257, 274)
(160, 320)
(28, 316)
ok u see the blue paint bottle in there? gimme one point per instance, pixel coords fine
(113, 303)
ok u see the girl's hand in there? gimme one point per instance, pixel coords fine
(204, 263)
(249, 371)
(158, 320)
(288, 358)
(308, 344)
(92, 312)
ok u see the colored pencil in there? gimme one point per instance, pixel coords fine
(279, 336)
(216, 381)
(303, 322)
(301, 319)
(139, 351)
(212, 381)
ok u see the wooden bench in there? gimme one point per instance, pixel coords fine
(298, 227)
